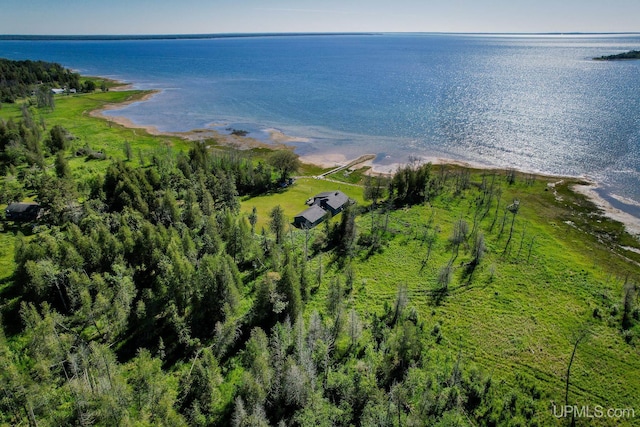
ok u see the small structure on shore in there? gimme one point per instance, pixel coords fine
(23, 212)
(329, 202)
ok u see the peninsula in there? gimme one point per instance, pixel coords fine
(632, 54)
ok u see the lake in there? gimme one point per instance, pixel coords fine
(535, 103)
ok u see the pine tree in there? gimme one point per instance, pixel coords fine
(277, 222)
(289, 286)
(62, 166)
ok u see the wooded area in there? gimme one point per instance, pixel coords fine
(632, 54)
(19, 79)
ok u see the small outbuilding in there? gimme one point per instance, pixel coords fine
(23, 212)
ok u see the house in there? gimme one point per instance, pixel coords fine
(332, 202)
(23, 212)
(310, 217)
(57, 91)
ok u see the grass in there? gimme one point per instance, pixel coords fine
(308, 169)
(350, 177)
(72, 113)
(292, 199)
(519, 313)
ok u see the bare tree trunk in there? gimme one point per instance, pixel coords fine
(30, 415)
(578, 339)
(531, 247)
(513, 220)
(495, 215)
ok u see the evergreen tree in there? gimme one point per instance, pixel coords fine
(253, 219)
(289, 286)
(277, 223)
(345, 233)
(217, 293)
(62, 166)
(58, 139)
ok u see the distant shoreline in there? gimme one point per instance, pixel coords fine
(625, 56)
(115, 37)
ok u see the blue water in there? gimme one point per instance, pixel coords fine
(537, 103)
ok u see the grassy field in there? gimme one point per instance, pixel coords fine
(520, 313)
(292, 200)
(517, 315)
(72, 113)
(514, 316)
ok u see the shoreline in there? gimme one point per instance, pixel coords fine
(631, 222)
(280, 140)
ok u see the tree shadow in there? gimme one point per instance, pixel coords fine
(438, 296)
(468, 271)
(10, 308)
(15, 227)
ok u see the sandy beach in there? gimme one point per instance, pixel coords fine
(631, 222)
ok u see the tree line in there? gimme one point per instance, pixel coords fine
(18, 79)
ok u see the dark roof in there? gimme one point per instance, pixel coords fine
(333, 199)
(22, 207)
(324, 194)
(313, 214)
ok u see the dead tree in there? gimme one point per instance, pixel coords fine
(513, 208)
(577, 338)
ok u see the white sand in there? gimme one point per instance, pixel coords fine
(325, 160)
(631, 223)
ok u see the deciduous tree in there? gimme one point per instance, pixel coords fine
(285, 162)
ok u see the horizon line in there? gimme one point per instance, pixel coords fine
(288, 34)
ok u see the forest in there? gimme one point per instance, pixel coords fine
(632, 54)
(19, 79)
(165, 285)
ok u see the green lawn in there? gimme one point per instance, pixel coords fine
(292, 199)
(72, 113)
